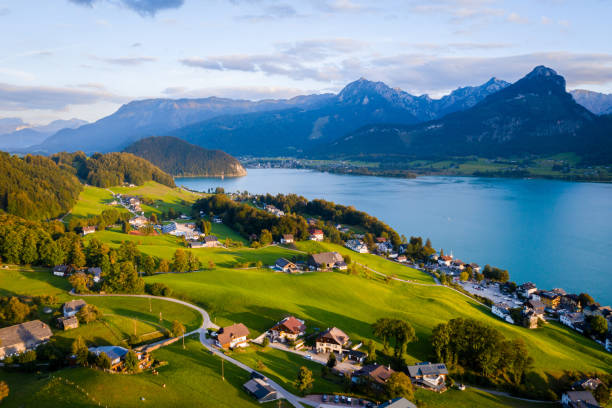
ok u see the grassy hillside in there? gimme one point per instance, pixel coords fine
(259, 298)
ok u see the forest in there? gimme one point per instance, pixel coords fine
(35, 187)
(112, 169)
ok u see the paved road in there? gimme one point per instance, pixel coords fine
(202, 331)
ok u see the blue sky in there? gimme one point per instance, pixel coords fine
(84, 58)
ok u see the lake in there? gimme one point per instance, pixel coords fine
(554, 233)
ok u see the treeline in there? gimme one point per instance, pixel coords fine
(108, 217)
(331, 212)
(179, 158)
(35, 187)
(112, 169)
(467, 344)
(248, 220)
(15, 310)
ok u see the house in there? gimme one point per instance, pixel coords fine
(316, 235)
(397, 403)
(72, 308)
(570, 302)
(96, 272)
(402, 259)
(138, 221)
(587, 384)
(530, 319)
(287, 239)
(233, 336)
(458, 264)
(61, 270)
(445, 260)
(67, 323)
(550, 299)
(571, 319)
(284, 265)
(579, 399)
(89, 230)
(502, 310)
(114, 353)
(374, 374)
(537, 306)
(384, 247)
(597, 310)
(475, 267)
(273, 210)
(527, 289)
(211, 241)
(23, 337)
(428, 375)
(331, 340)
(181, 230)
(326, 260)
(260, 390)
(195, 244)
(290, 328)
(357, 245)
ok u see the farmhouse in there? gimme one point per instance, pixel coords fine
(284, 265)
(23, 337)
(399, 402)
(89, 230)
(331, 340)
(138, 221)
(357, 245)
(326, 260)
(195, 244)
(502, 310)
(290, 328)
(374, 374)
(72, 308)
(67, 323)
(61, 270)
(96, 272)
(287, 239)
(181, 230)
(211, 241)
(579, 399)
(316, 235)
(233, 336)
(429, 375)
(260, 389)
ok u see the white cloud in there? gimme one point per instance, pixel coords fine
(517, 18)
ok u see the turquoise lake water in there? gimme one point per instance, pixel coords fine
(554, 233)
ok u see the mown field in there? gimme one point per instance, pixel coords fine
(192, 378)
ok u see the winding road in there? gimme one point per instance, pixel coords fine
(295, 400)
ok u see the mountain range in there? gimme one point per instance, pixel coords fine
(534, 115)
(16, 134)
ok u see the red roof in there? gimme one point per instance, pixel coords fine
(290, 324)
(316, 232)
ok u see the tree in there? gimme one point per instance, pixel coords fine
(331, 361)
(103, 361)
(126, 227)
(585, 299)
(177, 328)
(131, 362)
(77, 257)
(14, 311)
(601, 394)
(180, 261)
(464, 276)
(382, 328)
(304, 380)
(266, 342)
(164, 266)
(80, 282)
(89, 313)
(193, 262)
(399, 385)
(80, 351)
(598, 324)
(123, 279)
(148, 265)
(4, 390)
(404, 334)
(266, 237)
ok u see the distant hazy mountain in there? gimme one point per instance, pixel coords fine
(598, 103)
(535, 115)
(291, 131)
(179, 158)
(152, 117)
(19, 134)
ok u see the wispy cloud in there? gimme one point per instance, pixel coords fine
(143, 7)
(16, 98)
(237, 92)
(127, 61)
(4, 11)
(517, 18)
